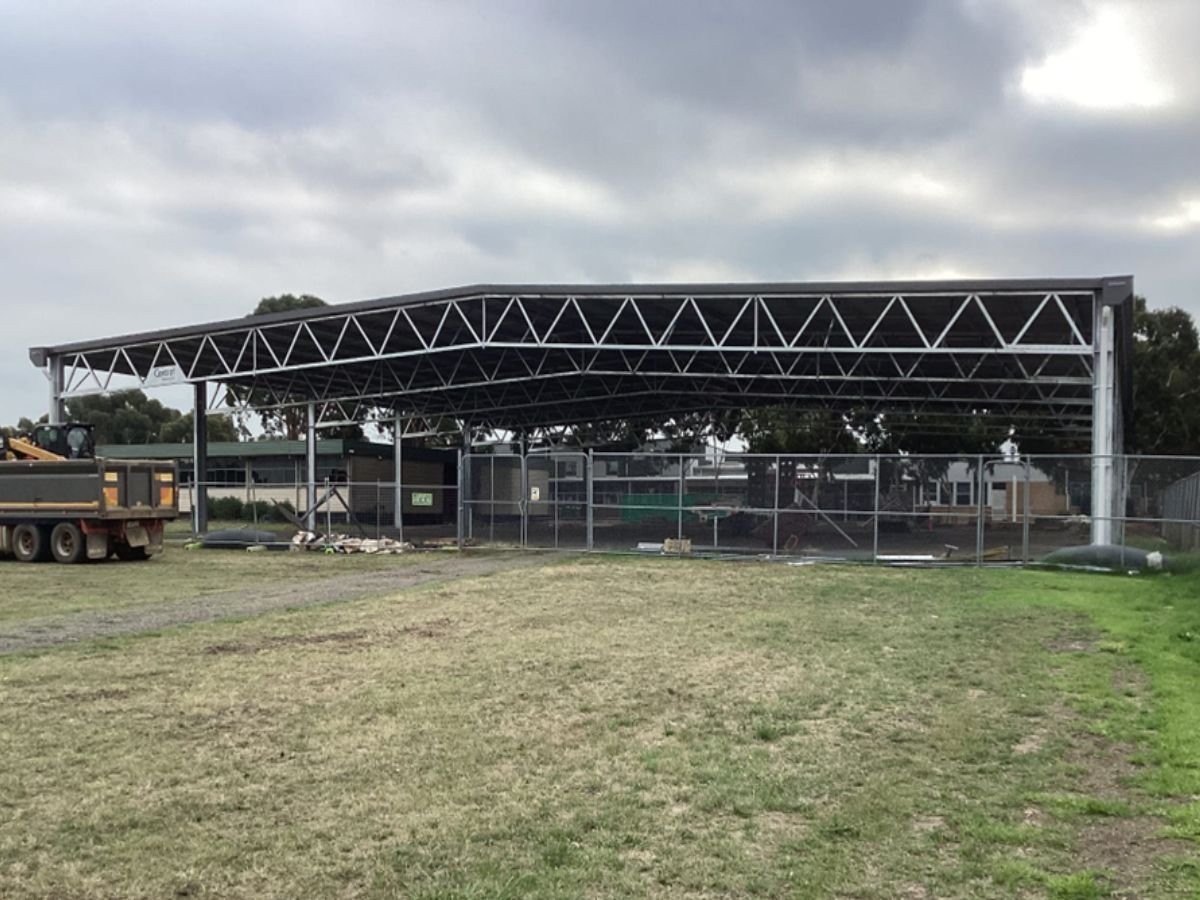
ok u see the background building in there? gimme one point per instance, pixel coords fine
(274, 471)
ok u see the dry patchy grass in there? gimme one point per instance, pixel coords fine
(47, 590)
(598, 728)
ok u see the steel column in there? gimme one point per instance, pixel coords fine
(398, 487)
(58, 412)
(591, 496)
(469, 519)
(461, 532)
(200, 458)
(310, 460)
(522, 448)
(1103, 427)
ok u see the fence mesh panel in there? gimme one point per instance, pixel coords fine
(862, 507)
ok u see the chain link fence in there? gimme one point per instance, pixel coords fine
(926, 509)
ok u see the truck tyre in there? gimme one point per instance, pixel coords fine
(31, 543)
(67, 543)
(125, 553)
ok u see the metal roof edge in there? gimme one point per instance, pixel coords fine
(39, 355)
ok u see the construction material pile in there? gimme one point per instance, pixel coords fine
(343, 543)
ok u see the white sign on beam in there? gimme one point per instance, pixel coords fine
(161, 376)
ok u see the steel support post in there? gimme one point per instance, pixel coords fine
(468, 519)
(398, 488)
(310, 465)
(591, 497)
(1103, 427)
(58, 412)
(200, 458)
(524, 507)
(460, 532)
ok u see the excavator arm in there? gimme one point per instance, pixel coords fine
(20, 448)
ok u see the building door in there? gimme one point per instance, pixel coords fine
(1000, 503)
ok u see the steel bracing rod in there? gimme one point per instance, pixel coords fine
(328, 391)
(456, 406)
(306, 344)
(390, 380)
(298, 389)
(304, 383)
(481, 402)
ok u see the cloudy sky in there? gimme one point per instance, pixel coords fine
(164, 163)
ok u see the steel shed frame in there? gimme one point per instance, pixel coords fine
(530, 357)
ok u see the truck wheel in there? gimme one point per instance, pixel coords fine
(125, 553)
(31, 543)
(67, 543)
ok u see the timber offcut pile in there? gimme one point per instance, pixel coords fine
(343, 543)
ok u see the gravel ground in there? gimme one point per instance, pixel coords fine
(84, 626)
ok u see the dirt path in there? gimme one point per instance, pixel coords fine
(249, 601)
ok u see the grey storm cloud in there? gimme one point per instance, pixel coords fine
(163, 163)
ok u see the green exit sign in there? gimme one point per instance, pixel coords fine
(421, 498)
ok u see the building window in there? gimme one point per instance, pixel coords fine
(962, 493)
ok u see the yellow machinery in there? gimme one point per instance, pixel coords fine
(58, 501)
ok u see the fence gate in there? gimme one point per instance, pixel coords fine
(556, 500)
(493, 501)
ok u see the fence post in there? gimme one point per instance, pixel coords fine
(328, 509)
(591, 497)
(552, 489)
(1122, 501)
(1025, 519)
(679, 503)
(775, 538)
(875, 517)
(979, 512)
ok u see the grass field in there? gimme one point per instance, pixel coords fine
(611, 728)
(34, 591)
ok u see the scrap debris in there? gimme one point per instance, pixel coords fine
(343, 543)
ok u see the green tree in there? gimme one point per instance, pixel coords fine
(289, 423)
(287, 303)
(1166, 382)
(181, 430)
(130, 417)
(122, 417)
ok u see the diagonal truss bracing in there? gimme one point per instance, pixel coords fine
(541, 355)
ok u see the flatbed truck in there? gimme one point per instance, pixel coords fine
(71, 510)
